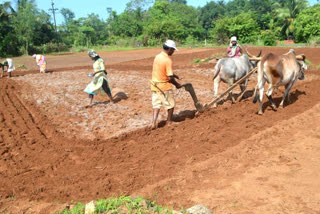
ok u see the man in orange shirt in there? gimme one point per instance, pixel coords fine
(162, 78)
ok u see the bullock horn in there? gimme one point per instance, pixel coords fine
(250, 55)
(259, 54)
(301, 57)
(255, 58)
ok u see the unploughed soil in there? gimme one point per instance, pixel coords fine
(53, 150)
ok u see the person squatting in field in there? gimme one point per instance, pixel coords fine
(234, 49)
(99, 84)
(41, 62)
(10, 66)
(162, 78)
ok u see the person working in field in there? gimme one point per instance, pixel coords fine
(99, 84)
(234, 49)
(41, 62)
(162, 78)
(10, 66)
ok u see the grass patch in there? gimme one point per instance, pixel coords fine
(122, 204)
(308, 62)
(197, 61)
(219, 55)
(318, 66)
(103, 48)
(22, 66)
(77, 209)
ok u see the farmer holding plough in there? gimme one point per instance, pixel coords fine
(99, 84)
(162, 78)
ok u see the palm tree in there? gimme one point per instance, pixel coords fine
(286, 11)
(5, 11)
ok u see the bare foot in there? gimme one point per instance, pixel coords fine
(169, 123)
(154, 126)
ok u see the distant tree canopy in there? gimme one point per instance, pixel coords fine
(25, 29)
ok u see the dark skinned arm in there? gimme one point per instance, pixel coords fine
(176, 76)
(2, 66)
(173, 81)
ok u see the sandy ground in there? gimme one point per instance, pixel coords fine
(229, 159)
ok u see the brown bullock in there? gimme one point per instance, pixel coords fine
(278, 70)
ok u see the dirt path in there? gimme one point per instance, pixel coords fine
(229, 159)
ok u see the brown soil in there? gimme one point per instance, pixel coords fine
(229, 158)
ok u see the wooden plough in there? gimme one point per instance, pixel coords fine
(201, 108)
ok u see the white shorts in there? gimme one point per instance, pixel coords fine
(166, 100)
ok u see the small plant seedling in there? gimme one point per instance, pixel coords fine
(197, 61)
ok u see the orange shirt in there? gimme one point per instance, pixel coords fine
(162, 69)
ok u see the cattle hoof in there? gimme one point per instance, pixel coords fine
(274, 108)
(260, 113)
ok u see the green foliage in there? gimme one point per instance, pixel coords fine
(308, 62)
(197, 61)
(49, 48)
(209, 13)
(307, 24)
(122, 204)
(27, 29)
(190, 41)
(286, 12)
(314, 41)
(24, 24)
(243, 26)
(269, 38)
(78, 209)
(169, 20)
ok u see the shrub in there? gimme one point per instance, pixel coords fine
(49, 48)
(269, 38)
(190, 41)
(314, 41)
(307, 24)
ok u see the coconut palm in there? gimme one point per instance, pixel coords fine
(286, 11)
(5, 11)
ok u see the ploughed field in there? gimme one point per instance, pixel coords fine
(229, 158)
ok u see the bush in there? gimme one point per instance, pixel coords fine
(190, 41)
(314, 41)
(307, 24)
(269, 38)
(49, 48)
(244, 26)
(152, 42)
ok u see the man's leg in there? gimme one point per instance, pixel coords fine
(9, 74)
(155, 118)
(170, 104)
(170, 114)
(91, 99)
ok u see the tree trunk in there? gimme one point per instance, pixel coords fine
(27, 47)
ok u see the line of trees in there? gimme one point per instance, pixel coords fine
(25, 29)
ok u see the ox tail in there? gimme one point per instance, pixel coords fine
(217, 69)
